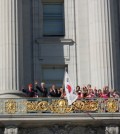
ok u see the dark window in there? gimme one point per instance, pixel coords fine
(53, 19)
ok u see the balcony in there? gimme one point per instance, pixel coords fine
(52, 106)
(46, 112)
(57, 110)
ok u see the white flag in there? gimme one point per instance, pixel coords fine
(69, 89)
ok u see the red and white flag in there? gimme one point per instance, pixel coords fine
(69, 89)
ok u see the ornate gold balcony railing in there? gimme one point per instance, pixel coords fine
(56, 105)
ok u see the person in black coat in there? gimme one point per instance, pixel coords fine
(54, 92)
(41, 90)
(30, 92)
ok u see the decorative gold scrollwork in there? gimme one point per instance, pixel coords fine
(11, 106)
(60, 106)
(78, 105)
(43, 106)
(94, 106)
(91, 106)
(31, 106)
(111, 105)
(85, 105)
(37, 106)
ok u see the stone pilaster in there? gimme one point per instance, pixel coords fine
(104, 42)
(11, 60)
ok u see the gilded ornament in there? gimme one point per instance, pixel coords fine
(10, 106)
(31, 106)
(94, 106)
(36, 106)
(60, 106)
(43, 106)
(78, 105)
(91, 106)
(111, 105)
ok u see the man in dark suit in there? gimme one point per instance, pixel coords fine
(30, 92)
(41, 90)
(54, 92)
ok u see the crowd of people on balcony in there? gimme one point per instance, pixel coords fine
(84, 92)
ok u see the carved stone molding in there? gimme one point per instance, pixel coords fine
(61, 131)
(43, 130)
(90, 130)
(64, 129)
(77, 130)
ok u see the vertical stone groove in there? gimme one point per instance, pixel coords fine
(10, 45)
(104, 51)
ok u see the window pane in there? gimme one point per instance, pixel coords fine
(53, 9)
(53, 75)
(53, 26)
(53, 19)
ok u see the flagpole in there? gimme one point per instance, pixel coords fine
(64, 78)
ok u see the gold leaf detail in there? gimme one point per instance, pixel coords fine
(60, 106)
(111, 105)
(78, 105)
(10, 106)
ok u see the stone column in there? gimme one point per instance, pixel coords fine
(104, 43)
(11, 60)
(112, 130)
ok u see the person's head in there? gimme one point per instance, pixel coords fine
(88, 86)
(77, 88)
(99, 91)
(61, 89)
(106, 90)
(42, 84)
(53, 86)
(85, 90)
(30, 86)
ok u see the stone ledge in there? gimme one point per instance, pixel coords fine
(48, 119)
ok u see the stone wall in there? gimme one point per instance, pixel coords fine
(62, 130)
(54, 130)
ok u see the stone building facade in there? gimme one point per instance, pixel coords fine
(79, 36)
(40, 39)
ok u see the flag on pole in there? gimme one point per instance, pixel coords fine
(69, 89)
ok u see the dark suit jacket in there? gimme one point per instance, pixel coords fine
(31, 93)
(41, 92)
(54, 93)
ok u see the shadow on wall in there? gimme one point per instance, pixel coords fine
(114, 25)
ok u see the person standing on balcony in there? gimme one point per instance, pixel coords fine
(41, 90)
(90, 93)
(106, 93)
(79, 92)
(54, 92)
(30, 92)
